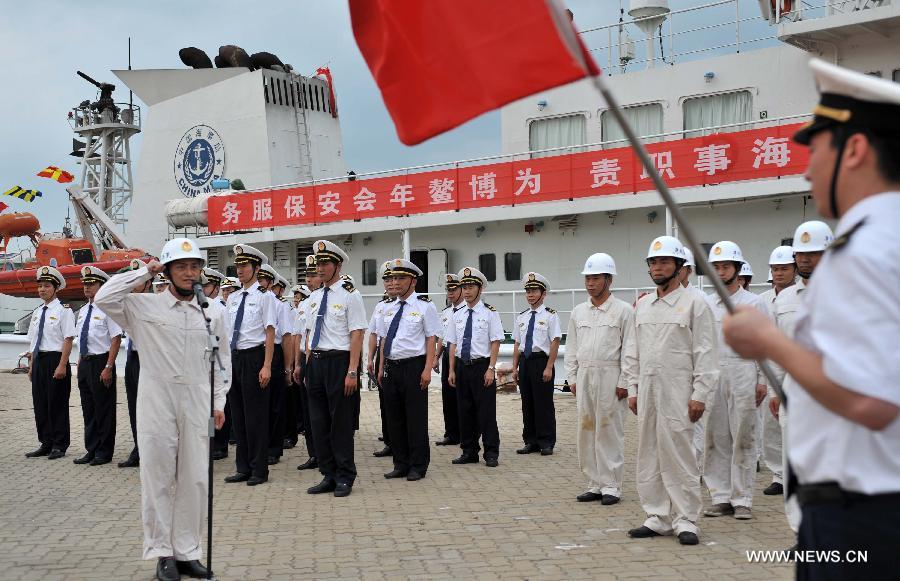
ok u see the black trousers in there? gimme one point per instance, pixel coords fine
(382, 406)
(132, 374)
(250, 411)
(51, 400)
(220, 440)
(303, 392)
(291, 411)
(448, 400)
(406, 406)
(538, 410)
(844, 528)
(277, 403)
(477, 409)
(332, 415)
(98, 406)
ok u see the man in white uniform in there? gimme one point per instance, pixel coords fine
(671, 370)
(50, 336)
(845, 404)
(173, 402)
(729, 465)
(132, 377)
(600, 333)
(99, 338)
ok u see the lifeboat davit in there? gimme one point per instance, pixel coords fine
(67, 254)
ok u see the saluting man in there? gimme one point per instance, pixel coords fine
(132, 375)
(336, 323)
(536, 335)
(474, 337)
(373, 363)
(442, 363)
(99, 338)
(50, 336)
(671, 369)
(253, 317)
(173, 402)
(844, 396)
(600, 333)
(731, 453)
(408, 328)
(313, 282)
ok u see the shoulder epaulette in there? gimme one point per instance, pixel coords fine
(348, 286)
(424, 298)
(489, 307)
(523, 312)
(551, 311)
(282, 299)
(447, 307)
(388, 299)
(844, 238)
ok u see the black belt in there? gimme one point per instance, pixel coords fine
(251, 349)
(536, 355)
(50, 352)
(97, 356)
(831, 492)
(396, 362)
(473, 361)
(328, 353)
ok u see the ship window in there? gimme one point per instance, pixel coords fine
(556, 132)
(896, 75)
(369, 274)
(487, 264)
(82, 255)
(512, 265)
(703, 114)
(645, 119)
(707, 246)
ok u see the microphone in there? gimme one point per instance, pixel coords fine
(202, 299)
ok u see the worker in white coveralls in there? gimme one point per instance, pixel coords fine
(173, 401)
(599, 330)
(674, 362)
(731, 453)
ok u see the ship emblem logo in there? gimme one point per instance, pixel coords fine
(467, 272)
(657, 245)
(717, 250)
(85, 271)
(199, 159)
(804, 238)
(46, 270)
(321, 246)
(531, 276)
(186, 246)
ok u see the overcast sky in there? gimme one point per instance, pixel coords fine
(46, 42)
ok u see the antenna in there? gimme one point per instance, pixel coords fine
(130, 94)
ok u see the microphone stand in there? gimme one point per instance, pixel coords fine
(212, 348)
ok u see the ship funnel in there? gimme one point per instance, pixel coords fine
(649, 16)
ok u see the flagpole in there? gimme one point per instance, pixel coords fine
(678, 216)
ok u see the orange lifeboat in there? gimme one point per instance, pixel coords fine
(67, 254)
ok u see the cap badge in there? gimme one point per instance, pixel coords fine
(467, 272)
(530, 276)
(45, 270)
(449, 278)
(804, 238)
(239, 249)
(186, 246)
(85, 271)
(657, 245)
(717, 250)
(321, 246)
(398, 262)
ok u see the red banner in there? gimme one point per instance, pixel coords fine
(700, 161)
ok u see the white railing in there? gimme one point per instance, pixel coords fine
(809, 10)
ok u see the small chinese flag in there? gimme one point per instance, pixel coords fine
(440, 63)
(3, 207)
(54, 173)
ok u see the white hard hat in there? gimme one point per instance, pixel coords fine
(782, 255)
(180, 248)
(690, 257)
(812, 236)
(599, 263)
(725, 251)
(746, 270)
(667, 246)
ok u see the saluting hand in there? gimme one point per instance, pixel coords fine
(154, 267)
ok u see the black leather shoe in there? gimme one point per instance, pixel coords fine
(272, 460)
(100, 461)
(55, 454)
(609, 499)
(237, 477)
(131, 462)
(288, 444)
(42, 451)
(325, 486)
(588, 496)
(194, 569)
(219, 454)
(343, 489)
(774, 489)
(167, 570)
(528, 449)
(642, 533)
(396, 473)
(309, 464)
(386, 451)
(546, 451)
(491, 462)
(381, 438)
(688, 538)
(465, 459)
(447, 442)
(86, 459)
(413, 476)
(254, 480)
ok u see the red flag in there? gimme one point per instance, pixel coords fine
(54, 173)
(442, 62)
(3, 207)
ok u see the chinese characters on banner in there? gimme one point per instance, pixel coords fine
(714, 159)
